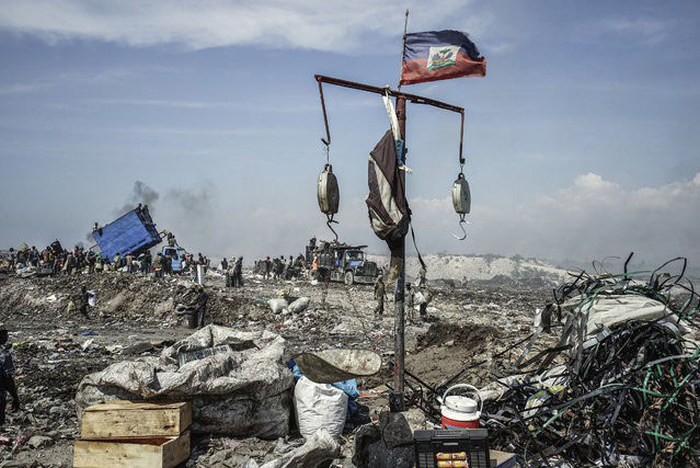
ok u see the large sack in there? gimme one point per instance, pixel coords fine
(319, 406)
(300, 305)
(609, 311)
(243, 391)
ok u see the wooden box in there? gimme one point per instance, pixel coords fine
(127, 419)
(157, 452)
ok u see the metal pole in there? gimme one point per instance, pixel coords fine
(397, 402)
(403, 48)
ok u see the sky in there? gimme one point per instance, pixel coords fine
(581, 142)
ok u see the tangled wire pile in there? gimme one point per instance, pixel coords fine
(619, 388)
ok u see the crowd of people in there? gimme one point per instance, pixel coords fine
(54, 260)
(281, 268)
(233, 271)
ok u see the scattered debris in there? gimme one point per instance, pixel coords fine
(243, 392)
(550, 395)
(619, 386)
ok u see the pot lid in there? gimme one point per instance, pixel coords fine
(461, 403)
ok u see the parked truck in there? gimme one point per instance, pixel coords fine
(176, 255)
(343, 262)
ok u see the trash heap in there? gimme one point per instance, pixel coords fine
(236, 381)
(619, 387)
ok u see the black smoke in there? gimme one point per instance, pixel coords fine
(141, 193)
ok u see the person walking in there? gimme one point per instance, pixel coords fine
(7, 372)
(238, 273)
(379, 293)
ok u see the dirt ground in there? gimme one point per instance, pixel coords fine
(54, 347)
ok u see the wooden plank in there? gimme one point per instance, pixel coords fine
(164, 452)
(176, 451)
(135, 405)
(124, 419)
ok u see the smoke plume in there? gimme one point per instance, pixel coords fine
(141, 193)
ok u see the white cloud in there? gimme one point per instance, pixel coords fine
(641, 26)
(306, 24)
(63, 79)
(590, 219)
(649, 31)
(17, 89)
(593, 181)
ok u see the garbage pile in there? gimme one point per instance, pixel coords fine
(236, 381)
(620, 387)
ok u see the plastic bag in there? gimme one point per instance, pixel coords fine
(277, 305)
(319, 406)
(299, 305)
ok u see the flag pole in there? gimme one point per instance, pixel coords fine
(396, 399)
(403, 49)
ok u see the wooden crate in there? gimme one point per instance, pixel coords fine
(157, 452)
(127, 419)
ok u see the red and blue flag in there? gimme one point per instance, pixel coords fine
(440, 55)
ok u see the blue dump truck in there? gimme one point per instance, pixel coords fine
(130, 234)
(346, 263)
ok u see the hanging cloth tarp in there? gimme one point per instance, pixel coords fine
(388, 208)
(394, 121)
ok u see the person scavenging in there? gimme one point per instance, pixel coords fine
(379, 293)
(7, 371)
(237, 280)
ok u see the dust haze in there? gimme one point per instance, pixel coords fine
(591, 218)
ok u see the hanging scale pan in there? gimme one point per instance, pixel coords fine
(328, 192)
(461, 197)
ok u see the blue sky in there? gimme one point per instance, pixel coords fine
(581, 141)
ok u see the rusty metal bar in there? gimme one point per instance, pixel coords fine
(327, 141)
(414, 98)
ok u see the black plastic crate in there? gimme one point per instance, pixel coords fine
(473, 442)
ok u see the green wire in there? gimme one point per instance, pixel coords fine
(646, 380)
(675, 393)
(673, 376)
(685, 440)
(658, 435)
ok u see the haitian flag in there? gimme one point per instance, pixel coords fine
(440, 55)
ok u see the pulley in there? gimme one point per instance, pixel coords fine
(462, 202)
(328, 195)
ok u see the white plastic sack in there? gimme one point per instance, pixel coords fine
(300, 305)
(610, 311)
(241, 393)
(319, 406)
(277, 305)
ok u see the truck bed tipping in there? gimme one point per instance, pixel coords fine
(132, 233)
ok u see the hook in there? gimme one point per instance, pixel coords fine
(462, 222)
(328, 223)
